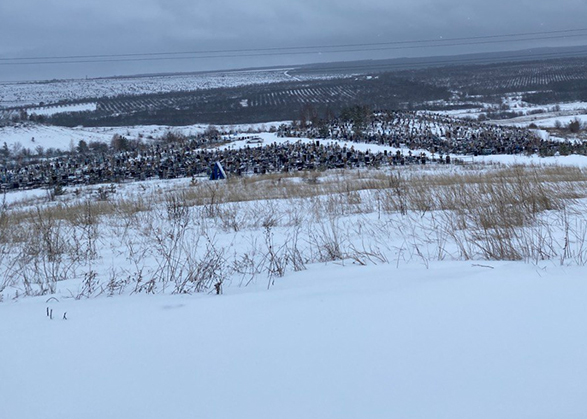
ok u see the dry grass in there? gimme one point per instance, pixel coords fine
(515, 194)
(495, 213)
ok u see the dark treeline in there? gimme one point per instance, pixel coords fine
(562, 91)
(260, 103)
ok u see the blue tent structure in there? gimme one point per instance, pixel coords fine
(217, 172)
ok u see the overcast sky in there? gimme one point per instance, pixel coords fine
(55, 28)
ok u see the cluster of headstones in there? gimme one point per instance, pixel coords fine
(174, 160)
(436, 134)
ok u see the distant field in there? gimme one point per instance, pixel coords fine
(28, 94)
(497, 90)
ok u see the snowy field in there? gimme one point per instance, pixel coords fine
(33, 93)
(505, 340)
(359, 294)
(548, 120)
(543, 116)
(30, 135)
(53, 110)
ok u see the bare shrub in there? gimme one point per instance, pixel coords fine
(45, 256)
(328, 241)
(394, 197)
(169, 246)
(265, 214)
(85, 232)
(295, 255)
(248, 264)
(575, 125)
(276, 257)
(90, 285)
(232, 217)
(201, 272)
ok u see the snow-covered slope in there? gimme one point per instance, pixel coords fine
(420, 331)
(456, 340)
(31, 135)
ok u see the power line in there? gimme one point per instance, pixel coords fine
(277, 51)
(417, 63)
(268, 54)
(430, 62)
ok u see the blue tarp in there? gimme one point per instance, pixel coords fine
(217, 172)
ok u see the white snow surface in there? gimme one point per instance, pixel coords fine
(571, 160)
(53, 110)
(31, 135)
(456, 340)
(546, 120)
(545, 116)
(49, 136)
(53, 91)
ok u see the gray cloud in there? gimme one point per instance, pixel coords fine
(32, 28)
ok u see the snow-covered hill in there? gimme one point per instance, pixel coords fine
(454, 341)
(439, 291)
